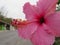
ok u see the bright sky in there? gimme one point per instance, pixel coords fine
(14, 7)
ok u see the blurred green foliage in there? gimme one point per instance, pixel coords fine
(58, 1)
(59, 8)
(5, 19)
(1, 16)
(57, 41)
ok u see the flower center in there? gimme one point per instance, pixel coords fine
(42, 20)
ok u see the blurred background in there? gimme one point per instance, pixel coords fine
(12, 10)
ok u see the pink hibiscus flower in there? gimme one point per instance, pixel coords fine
(43, 22)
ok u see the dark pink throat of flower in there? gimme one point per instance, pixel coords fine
(41, 20)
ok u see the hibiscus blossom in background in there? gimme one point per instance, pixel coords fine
(43, 22)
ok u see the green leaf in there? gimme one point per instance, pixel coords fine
(57, 41)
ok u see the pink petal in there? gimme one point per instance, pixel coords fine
(30, 11)
(27, 30)
(41, 37)
(48, 6)
(53, 21)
